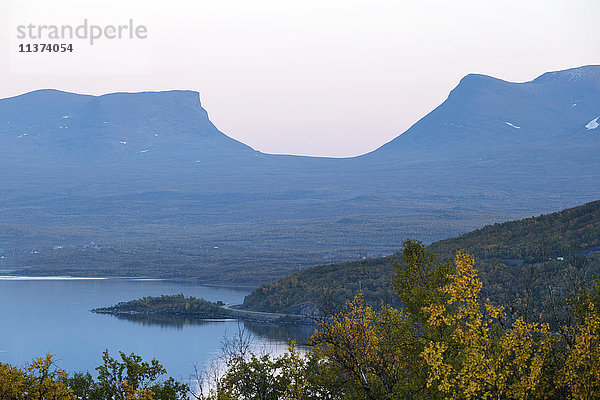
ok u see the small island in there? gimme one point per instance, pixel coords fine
(179, 305)
(168, 305)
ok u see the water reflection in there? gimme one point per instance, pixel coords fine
(165, 321)
(283, 333)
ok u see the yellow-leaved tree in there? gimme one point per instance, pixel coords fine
(40, 381)
(581, 371)
(482, 359)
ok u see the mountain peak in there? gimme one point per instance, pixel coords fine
(483, 112)
(473, 83)
(479, 78)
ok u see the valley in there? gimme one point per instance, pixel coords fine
(148, 174)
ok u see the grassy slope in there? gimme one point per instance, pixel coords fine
(568, 234)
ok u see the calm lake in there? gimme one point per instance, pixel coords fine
(51, 315)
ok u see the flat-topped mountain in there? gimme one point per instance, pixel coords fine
(68, 129)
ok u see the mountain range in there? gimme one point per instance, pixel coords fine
(148, 173)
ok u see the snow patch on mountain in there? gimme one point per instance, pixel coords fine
(593, 124)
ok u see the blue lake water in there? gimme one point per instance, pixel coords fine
(51, 315)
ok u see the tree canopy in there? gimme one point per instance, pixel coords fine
(446, 341)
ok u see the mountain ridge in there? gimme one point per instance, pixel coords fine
(468, 87)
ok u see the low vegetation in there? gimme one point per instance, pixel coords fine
(127, 377)
(214, 252)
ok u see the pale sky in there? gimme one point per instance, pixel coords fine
(326, 78)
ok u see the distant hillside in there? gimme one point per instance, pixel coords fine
(564, 233)
(327, 286)
(553, 252)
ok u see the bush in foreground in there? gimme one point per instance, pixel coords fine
(127, 378)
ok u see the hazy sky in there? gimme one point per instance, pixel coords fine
(329, 78)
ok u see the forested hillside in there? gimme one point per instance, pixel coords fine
(564, 233)
(526, 263)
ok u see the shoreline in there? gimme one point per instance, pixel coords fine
(232, 314)
(11, 274)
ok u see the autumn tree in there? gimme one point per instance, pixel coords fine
(446, 341)
(418, 280)
(40, 380)
(13, 382)
(482, 359)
